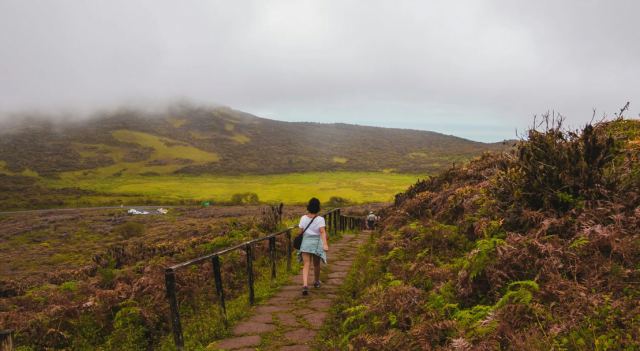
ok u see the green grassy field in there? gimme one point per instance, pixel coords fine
(357, 187)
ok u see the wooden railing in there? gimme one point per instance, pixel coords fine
(335, 222)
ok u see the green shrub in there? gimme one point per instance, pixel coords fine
(559, 169)
(70, 286)
(481, 256)
(470, 317)
(129, 230)
(494, 230)
(129, 331)
(217, 243)
(107, 276)
(355, 322)
(245, 199)
(578, 243)
(443, 301)
(337, 201)
(519, 292)
(87, 333)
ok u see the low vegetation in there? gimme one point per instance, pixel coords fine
(537, 249)
(20, 192)
(288, 188)
(94, 279)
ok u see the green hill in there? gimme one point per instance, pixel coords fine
(538, 249)
(192, 140)
(189, 154)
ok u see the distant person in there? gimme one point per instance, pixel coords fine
(371, 220)
(314, 244)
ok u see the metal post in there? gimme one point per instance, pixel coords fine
(289, 250)
(217, 277)
(249, 250)
(170, 283)
(272, 256)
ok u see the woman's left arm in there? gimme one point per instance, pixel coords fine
(323, 235)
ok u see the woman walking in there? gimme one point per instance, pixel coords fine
(314, 244)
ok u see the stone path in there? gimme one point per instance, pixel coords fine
(288, 320)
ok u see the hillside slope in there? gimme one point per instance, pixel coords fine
(193, 140)
(538, 249)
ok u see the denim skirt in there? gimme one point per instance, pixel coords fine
(312, 244)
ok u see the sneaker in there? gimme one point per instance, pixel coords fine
(317, 284)
(305, 291)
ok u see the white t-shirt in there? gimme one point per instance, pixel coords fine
(314, 228)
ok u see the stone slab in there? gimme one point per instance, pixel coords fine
(287, 319)
(238, 342)
(249, 327)
(337, 275)
(272, 309)
(301, 335)
(319, 304)
(261, 318)
(316, 319)
(288, 294)
(303, 311)
(295, 348)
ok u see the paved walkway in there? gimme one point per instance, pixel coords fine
(288, 320)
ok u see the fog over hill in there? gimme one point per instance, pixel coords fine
(187, 139)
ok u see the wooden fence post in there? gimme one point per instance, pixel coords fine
(217, 277)
(289, 250)
(249, 251)
(170, 283)
(272, 256)
(6, 340)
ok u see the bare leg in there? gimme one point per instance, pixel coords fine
(316, 268)
(306, 260)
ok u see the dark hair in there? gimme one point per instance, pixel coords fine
(314, 205)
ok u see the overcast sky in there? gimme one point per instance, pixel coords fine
(477, 69)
